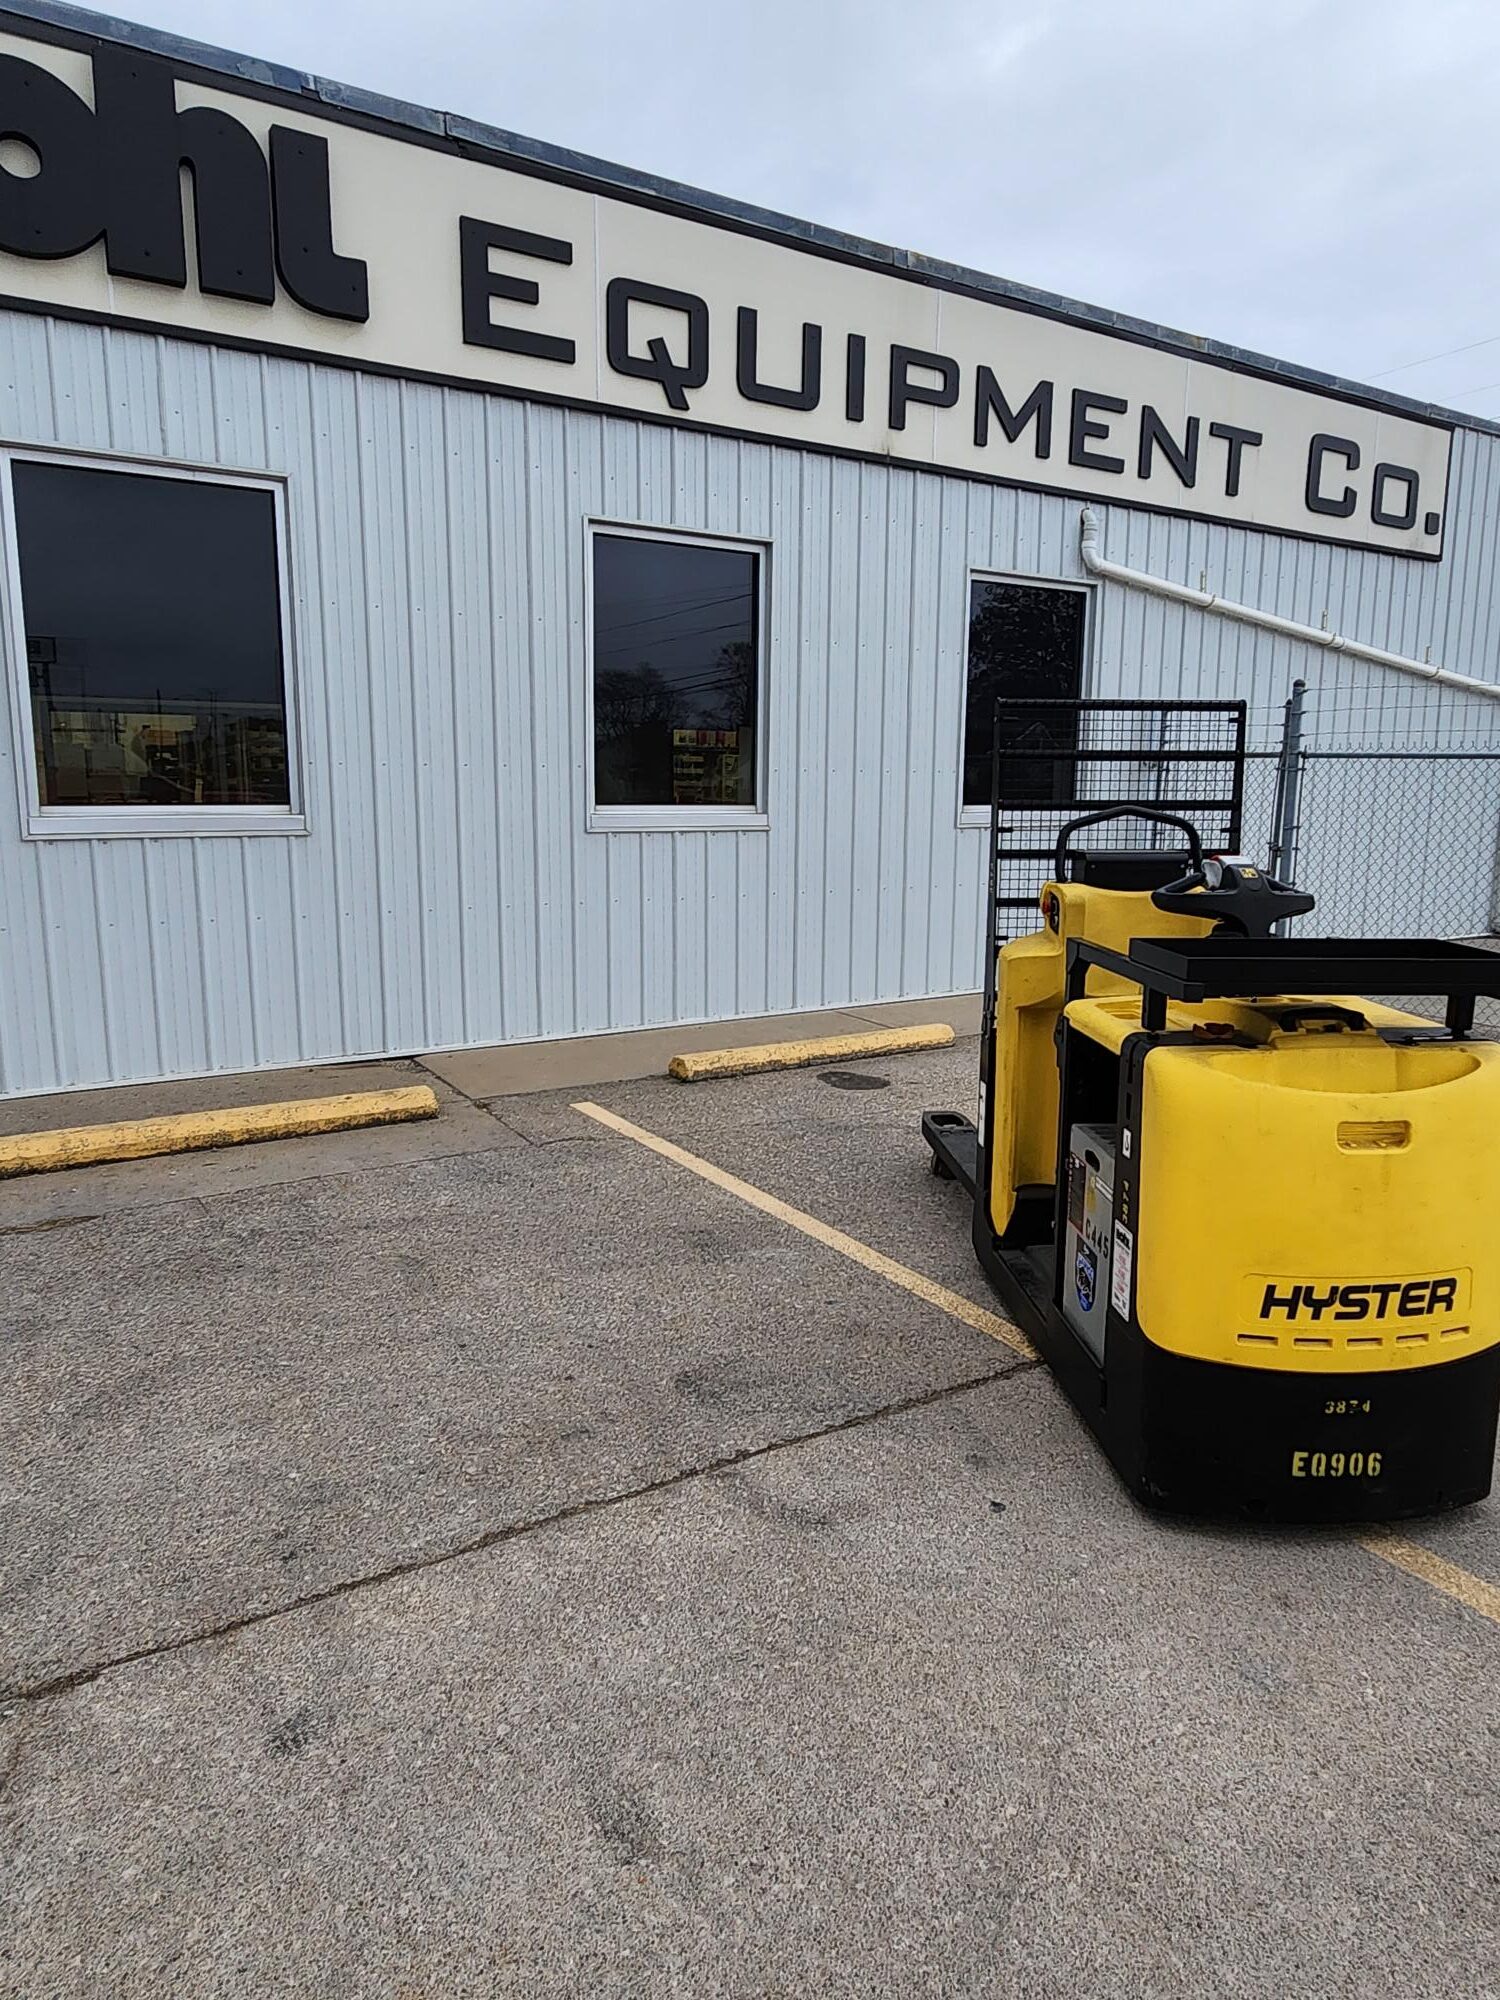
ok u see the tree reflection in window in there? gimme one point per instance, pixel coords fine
(676, 673)
(1025, 644)
(152, 608)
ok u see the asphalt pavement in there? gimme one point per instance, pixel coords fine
(495, 1560)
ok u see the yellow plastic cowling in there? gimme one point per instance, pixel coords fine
(1322, 1203)
(1031, 977)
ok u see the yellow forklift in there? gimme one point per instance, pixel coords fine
(1250, 1220)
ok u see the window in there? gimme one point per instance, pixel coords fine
(155, 665)
(1026, 643)
(676, 681)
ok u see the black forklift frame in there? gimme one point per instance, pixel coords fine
(1074, 711)
(1223, 968)
(961, 1150)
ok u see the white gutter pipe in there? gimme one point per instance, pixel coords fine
(1267, 621)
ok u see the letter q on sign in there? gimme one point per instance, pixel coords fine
(658, 363)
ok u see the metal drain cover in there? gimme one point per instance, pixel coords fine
(853, 1079)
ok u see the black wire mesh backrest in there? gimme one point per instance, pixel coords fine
(1054, 760)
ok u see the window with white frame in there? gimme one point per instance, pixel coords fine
(676, 680)
(151, 615)
(1026, 644)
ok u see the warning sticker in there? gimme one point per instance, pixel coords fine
(1120, 1270)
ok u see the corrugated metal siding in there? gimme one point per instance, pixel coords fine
(448, 893)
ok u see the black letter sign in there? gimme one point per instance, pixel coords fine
(57, 211)
(1183, 458)
(804, 397)
(1323, 446)
(1393, 517)
(854, 378)
(311, 269)
(116, 172)
(1236, 442)
(480, 284)
(1083, 427)
(144, 143)
(990, 401)
(656, 364)
(942, 395)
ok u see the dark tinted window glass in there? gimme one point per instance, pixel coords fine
(153, 639)
(676, 674)
(1025, 643)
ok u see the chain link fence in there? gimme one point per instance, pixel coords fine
(1381, 800)
(1387, 810)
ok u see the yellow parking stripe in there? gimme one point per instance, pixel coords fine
(928, 1289)
(1436, 1570)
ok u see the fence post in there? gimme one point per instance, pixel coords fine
(1286, 813)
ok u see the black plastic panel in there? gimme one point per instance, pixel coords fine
(1215, 967)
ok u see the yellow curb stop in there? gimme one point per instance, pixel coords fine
(704, 1063)
(192, 1131)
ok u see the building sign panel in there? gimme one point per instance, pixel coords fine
(317, 236)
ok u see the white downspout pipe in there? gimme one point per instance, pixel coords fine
(1267, 621)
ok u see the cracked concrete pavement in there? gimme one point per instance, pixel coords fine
(527, 1570)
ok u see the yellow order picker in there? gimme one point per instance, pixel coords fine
(1251, 1221)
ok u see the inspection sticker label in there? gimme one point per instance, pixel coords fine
(1120, 1266)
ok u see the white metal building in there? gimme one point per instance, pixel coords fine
(455, 592)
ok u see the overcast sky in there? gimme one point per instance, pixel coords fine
(1316, 179)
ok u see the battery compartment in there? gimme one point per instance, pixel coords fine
(1087, 1185)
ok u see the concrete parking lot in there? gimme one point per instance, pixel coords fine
(488, 1557)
